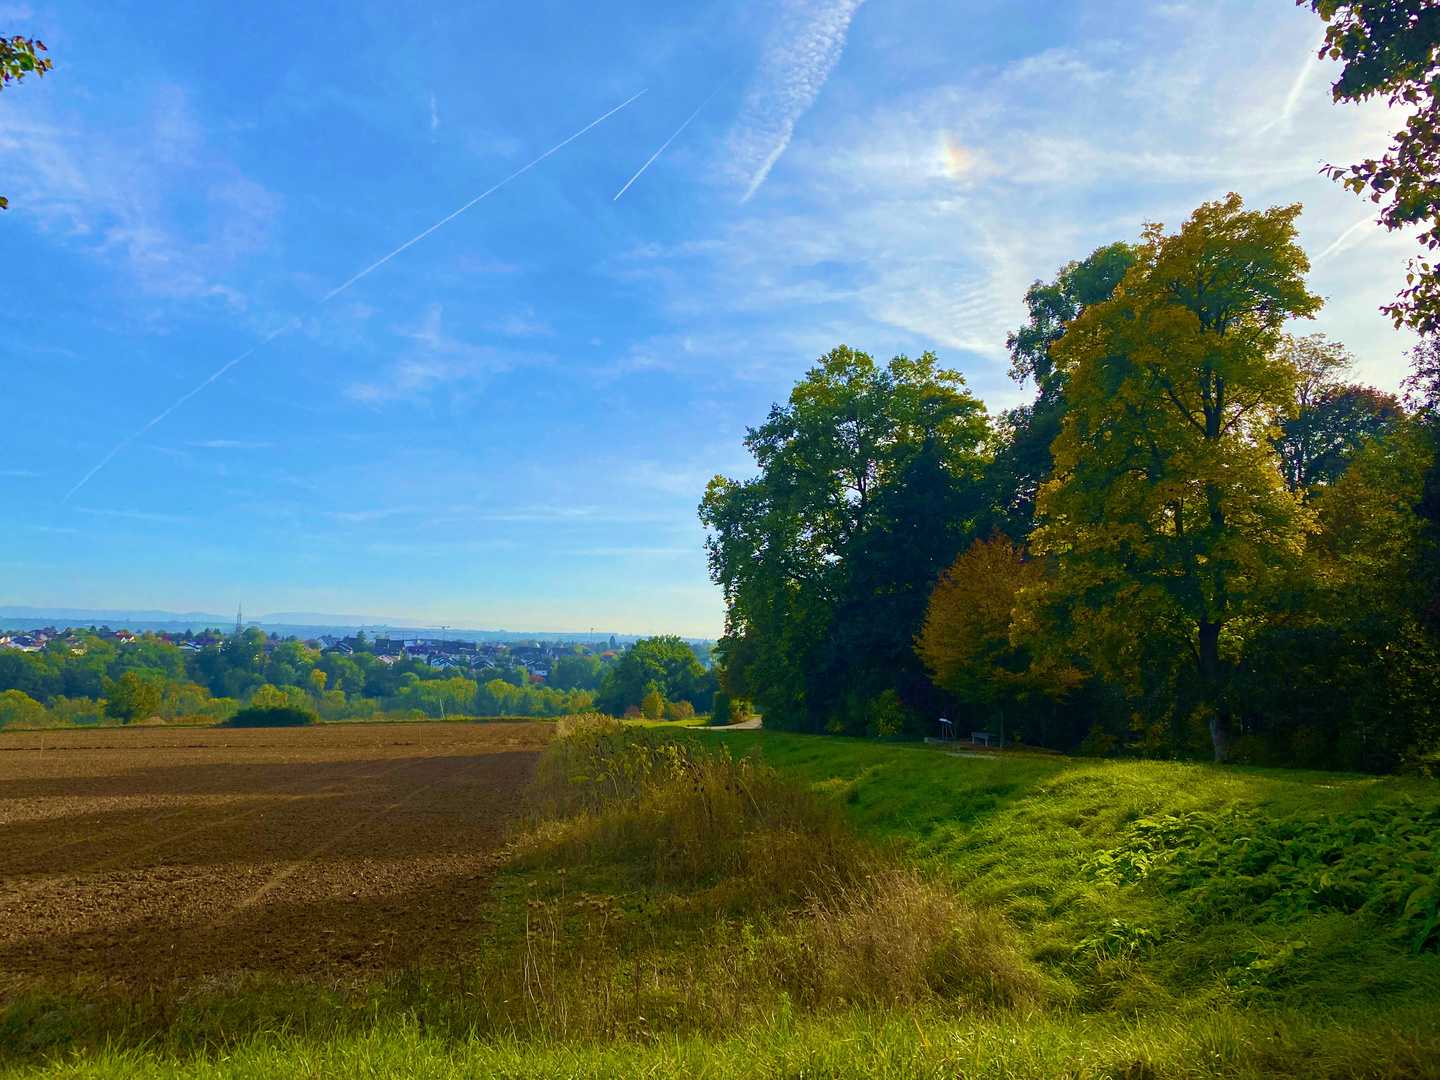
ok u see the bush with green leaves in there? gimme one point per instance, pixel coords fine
(271, 716)
(19, 708)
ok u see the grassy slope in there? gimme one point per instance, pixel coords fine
(1014, 834)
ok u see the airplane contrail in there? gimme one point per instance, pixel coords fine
(337, 291)
(668, 141)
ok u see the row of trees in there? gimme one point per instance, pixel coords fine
(1199, 538)
(151, 676)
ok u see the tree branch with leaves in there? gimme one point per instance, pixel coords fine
(1392, 48)
(20, 56)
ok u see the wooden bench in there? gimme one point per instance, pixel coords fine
(982, 737)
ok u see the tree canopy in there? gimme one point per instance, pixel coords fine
(1023, 461)
(869, 484)
(665, 665)
(1167, 506)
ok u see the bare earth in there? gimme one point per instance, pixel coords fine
(152, 854)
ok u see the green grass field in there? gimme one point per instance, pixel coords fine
(812, 907)
(1318, 867)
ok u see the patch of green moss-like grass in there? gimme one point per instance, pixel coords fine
(1142, 884)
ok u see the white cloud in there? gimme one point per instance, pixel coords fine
(928, 216)
(129, 194)
(803, 47)
(436, 358)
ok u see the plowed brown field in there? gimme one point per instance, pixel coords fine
(151, 854)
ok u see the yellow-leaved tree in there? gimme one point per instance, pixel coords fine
(976, 642)
(1167, 511)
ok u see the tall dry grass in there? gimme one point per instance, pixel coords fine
(673, 887)
(900, 938)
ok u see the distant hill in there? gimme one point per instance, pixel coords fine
(284, 623)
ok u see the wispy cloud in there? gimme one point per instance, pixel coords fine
(801, 50)
(521, 324)
(135, 515)
(435, 358)
(126, 194)
(924, 218)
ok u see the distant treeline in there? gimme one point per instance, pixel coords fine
(84, 677)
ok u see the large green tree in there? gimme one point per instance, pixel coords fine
(664, 664)
(1167, 509)
(869, 484)
(576, 673)
(131, 697)
(1348, 677)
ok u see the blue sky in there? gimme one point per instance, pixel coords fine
(510, 423)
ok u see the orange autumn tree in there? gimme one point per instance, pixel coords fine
(975, 642)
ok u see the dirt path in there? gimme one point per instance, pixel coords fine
(151, 854)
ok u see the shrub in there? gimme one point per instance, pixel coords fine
(652, 706)
(720, 708)
(131, 698)
(17, 707)
(76, 711)
(679, 710)
(725, 709)
(274, 697)
(271, 716)
(1257, 868)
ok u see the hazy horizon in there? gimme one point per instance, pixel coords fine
(134, 619)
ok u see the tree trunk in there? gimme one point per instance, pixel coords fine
(1209, 657)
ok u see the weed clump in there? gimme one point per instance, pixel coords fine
(685, 816)
(899, 938)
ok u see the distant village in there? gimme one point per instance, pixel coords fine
(534, 656)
